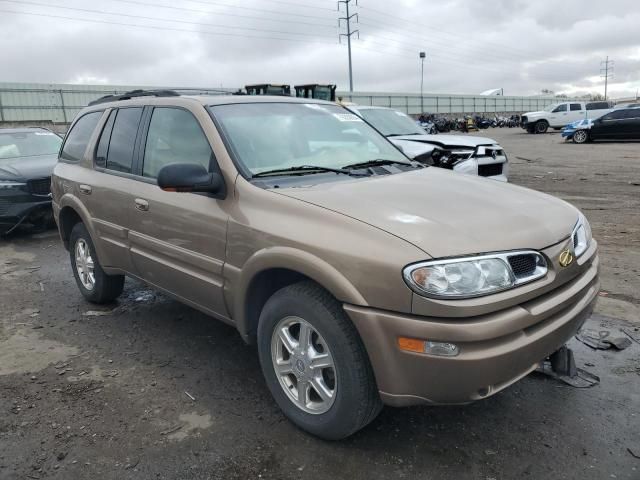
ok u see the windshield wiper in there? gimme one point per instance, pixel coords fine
(303, 170)
(376, 163)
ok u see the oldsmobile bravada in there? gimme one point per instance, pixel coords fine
(364, 278)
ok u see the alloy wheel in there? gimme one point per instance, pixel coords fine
(304, 365)
(84, 264)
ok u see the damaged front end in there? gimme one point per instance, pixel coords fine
(25, 203)
(484, 161)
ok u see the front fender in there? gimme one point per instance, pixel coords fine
(289, 258)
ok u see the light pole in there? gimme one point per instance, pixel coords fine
(422, 57)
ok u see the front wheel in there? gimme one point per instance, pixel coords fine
(315, 364)
(581, 136)
(542, 126)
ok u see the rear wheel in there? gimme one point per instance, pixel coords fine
(581, 136)
(315, 364)
(94, 284)
(542, 126)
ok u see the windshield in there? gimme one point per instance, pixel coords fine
(28, 144)
(550, 107)
(271, 136)
(391, 122)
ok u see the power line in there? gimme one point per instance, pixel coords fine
(106, 22)
(422, 25)
(261, 10)
(226, 14)
(448, 45)
(296, 4)
(144, 17)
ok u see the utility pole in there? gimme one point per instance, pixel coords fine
(606, 72)
(422, 57)
(350, 32)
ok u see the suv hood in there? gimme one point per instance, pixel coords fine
(447, 214)
(25, 168)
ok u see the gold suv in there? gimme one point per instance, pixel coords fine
(363, 277)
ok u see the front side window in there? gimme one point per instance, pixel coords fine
(560, 108)
(270, 136)
(123, 137)
(391, 122)
(28, 144)
(615, 115)
(174, 136)
(78, 138)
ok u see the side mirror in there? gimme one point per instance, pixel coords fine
(189, 177)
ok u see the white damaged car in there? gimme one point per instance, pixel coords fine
(461, 153)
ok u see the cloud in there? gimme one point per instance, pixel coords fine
(519, 45)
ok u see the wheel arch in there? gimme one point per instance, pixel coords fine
(271, 269)
(71, 212)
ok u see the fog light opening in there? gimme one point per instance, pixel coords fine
(441, 349)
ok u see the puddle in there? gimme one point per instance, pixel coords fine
(192, 422)
(27, 352)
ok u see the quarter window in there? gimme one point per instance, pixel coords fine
(560, 108)
(78, 138)
(103, 144)
(174, 136)
(123, 137)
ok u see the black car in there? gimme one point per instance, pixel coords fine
(621, 124)
(27, 158)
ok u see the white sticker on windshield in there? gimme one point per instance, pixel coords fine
(44, 133)
(347, 117)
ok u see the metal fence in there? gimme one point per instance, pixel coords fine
(59, 103)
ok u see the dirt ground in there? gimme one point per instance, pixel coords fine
(149, 388)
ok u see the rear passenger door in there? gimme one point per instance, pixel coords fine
(576, 112)
(178, 240)
(107, 194)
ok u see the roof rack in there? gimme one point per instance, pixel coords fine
(134, 94)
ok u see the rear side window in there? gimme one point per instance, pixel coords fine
(77, 139)
(575, 106)
(598, 106)
(123, 139)
(103, 144)
(174, 136)
(560, 108)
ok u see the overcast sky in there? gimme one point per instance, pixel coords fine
(522, 46)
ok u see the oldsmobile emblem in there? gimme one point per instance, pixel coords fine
(566, 258)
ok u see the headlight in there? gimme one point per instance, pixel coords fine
(8, 184)
(475, 276)
(581, 236)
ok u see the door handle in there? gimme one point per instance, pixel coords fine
(85, 189)
(142, 204)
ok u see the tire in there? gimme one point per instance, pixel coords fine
(94, 284)
(354, 401)
(542, 126)
(581, 136)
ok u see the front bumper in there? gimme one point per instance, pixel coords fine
(496, 349)
(17, 207)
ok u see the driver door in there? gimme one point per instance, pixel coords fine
(559, 116)
(178, 240)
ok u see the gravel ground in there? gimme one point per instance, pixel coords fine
(149, 388)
